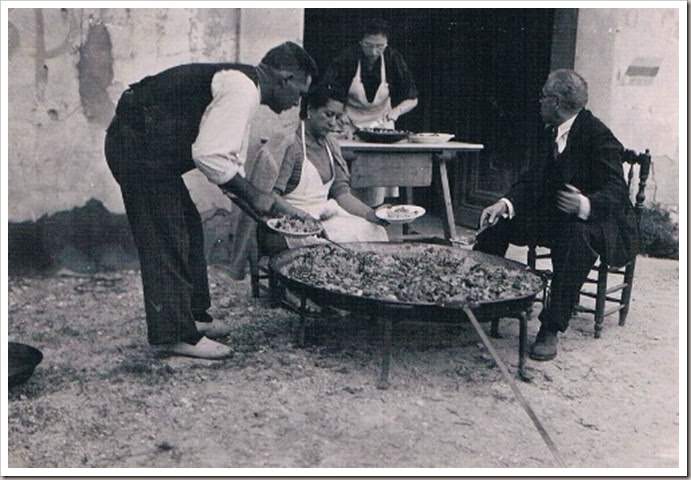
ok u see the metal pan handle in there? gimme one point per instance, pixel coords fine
(247, 208)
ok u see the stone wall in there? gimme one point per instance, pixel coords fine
(67, 69)
(630, 58)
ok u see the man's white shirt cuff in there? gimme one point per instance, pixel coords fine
(509, 205)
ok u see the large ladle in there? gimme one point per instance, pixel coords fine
(471, 240)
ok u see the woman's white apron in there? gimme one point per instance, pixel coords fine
(365, 114)
(312, 196)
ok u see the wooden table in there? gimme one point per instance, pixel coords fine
(408, 165)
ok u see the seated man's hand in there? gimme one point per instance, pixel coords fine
(493, 213)
(569, 200)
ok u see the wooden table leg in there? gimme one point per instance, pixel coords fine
(408, 199)
(450, 222)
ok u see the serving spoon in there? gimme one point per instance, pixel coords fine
(325, 237)
(471, 240)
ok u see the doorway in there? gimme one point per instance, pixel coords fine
(479, 74)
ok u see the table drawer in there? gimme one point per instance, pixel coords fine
(387, 170)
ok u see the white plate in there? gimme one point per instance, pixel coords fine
(275, 225)
(400, 213)
(430, 137)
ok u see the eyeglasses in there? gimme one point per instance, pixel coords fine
(544, 97)
(380, 46)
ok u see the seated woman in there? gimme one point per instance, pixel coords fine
(314, 178)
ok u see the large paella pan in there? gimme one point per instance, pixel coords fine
(414, 280)
(411, 281)
(400, 281)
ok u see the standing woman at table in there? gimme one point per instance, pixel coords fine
(380, 89)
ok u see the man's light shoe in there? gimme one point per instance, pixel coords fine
(214, 329)
(205, 348)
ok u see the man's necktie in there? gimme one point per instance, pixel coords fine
(555, 146)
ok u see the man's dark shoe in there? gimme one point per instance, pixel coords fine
(545, 346)
(202, 317)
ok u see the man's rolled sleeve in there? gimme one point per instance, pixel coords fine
(220, 149)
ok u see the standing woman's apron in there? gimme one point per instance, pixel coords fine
(364, 115)
(312, 196)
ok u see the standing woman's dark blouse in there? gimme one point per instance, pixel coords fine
(402, 86)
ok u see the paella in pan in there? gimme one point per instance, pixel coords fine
(413, 274)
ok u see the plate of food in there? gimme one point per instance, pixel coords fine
(400, 213)
(430, 137)
(381, 135)
(292, 226)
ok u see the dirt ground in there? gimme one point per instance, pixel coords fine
(100, 398)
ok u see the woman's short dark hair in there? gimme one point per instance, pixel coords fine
(376, 26)
(319, 95)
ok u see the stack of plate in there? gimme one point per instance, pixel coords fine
(430, 137)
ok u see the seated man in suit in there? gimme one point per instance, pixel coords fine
(575, 202)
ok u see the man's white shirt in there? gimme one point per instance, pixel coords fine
(220, 150)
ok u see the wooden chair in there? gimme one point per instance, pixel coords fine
(259, 271)
(258, 261)
(606, 302)
(262, 174)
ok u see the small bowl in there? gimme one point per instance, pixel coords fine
(400, 214)
(381, 135)
(430, 137)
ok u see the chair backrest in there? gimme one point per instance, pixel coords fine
(643, 160)
(633, 158)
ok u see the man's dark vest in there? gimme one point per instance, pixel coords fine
(166, 110)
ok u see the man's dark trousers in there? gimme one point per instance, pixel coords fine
(573, 244)
(167, 230)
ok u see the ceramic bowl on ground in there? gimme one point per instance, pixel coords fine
(21, 361)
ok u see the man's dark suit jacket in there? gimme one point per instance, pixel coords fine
(591, 161)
